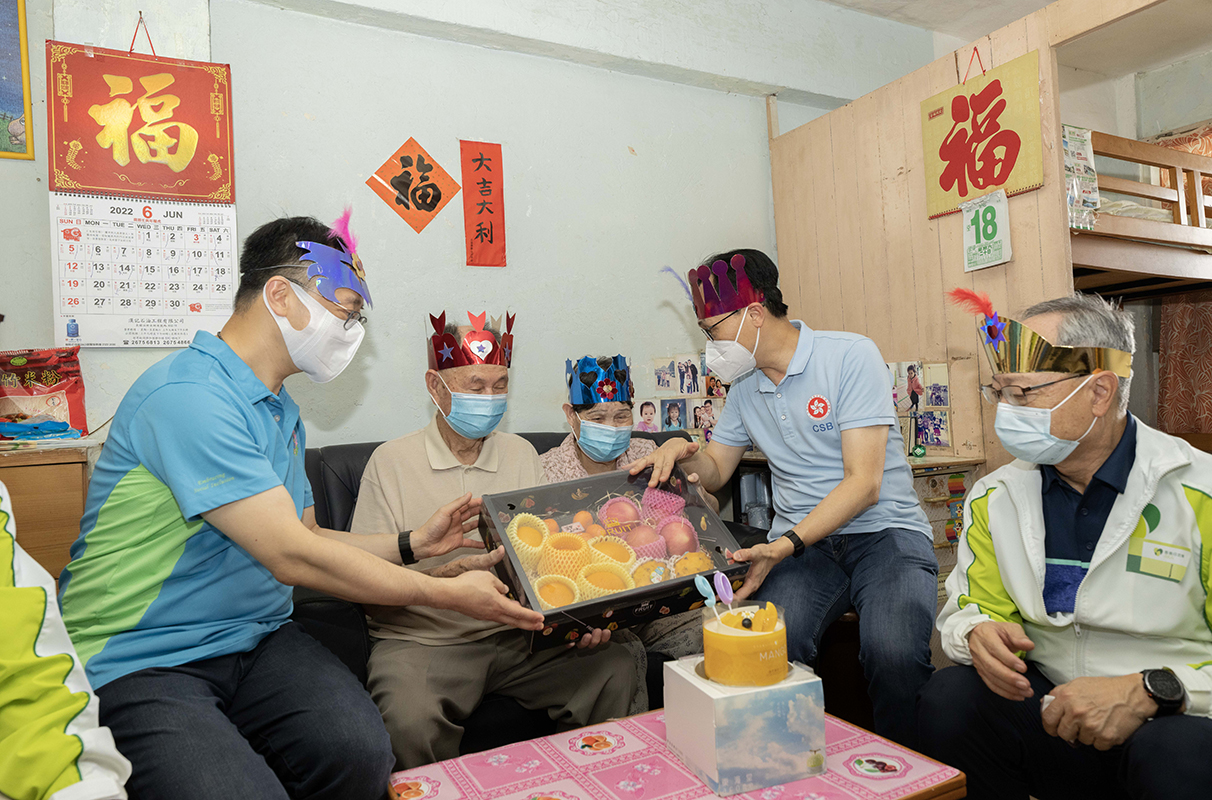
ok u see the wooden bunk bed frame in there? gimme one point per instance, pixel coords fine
(1137, 258)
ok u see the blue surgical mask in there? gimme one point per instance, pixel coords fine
(474, 416)
(603, 443)
(1026, 432)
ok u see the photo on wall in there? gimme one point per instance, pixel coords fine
(666, 373)
(673, 414)
(937, 388)
(647, 416)
(714, 387)
(933, 428)
(908, 391)
(689, 374)
(705, 413)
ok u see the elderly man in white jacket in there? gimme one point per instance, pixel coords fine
(1081, 603)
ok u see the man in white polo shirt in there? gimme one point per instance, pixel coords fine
(819, 405)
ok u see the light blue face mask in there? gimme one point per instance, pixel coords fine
(1026, 432)
(603, 443)
(474, 416)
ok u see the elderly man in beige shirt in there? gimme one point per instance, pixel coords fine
(430, 668)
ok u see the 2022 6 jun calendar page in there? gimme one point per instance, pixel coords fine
(140, 273)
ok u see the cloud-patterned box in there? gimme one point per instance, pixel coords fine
(741, 738)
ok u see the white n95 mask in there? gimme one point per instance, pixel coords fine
(730, 361)
(324, 348)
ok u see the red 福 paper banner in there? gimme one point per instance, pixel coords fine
(483, 204)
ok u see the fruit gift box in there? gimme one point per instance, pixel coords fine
(606, 551)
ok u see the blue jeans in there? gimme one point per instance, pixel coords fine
(891, 579)
(284, 720)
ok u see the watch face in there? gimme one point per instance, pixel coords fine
(1163, 685)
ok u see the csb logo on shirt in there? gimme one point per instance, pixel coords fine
(294, 439)
(818, 408)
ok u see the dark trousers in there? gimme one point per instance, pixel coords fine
(890, 578)
(284, 720)
(1002, 747)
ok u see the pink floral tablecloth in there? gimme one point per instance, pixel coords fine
(627, 760)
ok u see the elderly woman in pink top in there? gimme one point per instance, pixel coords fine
(600, 414)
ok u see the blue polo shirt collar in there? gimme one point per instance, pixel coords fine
(235, 367)
(799, 359)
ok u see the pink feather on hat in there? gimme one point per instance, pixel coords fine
(340, 230)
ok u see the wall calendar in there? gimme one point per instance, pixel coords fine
(140, 273)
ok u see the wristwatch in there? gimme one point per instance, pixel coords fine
(1165, 689)
(406, 556)
(796, 542)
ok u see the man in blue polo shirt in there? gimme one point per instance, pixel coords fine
(199, 520)
(819, 405)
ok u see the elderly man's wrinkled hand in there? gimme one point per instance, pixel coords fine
(480, 561)
(597, 636)
(1102, 712)
(994, 647)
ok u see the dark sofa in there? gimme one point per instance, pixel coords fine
(335, 473)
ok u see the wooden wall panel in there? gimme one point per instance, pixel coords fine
(793, 256)
(927, 265)
(824, 188)
(846, 202)
(853, 181)
(869, 211)
(1070, 19)
(899, 262)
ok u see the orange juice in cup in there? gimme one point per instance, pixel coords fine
(740, 654)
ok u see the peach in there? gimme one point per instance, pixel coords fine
(618, 511)
(680, 537)
(641, 535)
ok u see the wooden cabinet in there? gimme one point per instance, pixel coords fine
(47, 488)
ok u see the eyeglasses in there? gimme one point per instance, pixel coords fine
(351, 317)
(354, 317)
(708, 331)
(1017, 395)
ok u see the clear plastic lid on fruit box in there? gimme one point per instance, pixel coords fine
(606, 551)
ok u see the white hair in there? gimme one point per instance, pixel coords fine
(1088, 320)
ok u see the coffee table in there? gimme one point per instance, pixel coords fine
(627, 760)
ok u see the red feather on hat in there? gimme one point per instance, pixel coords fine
(972, 302)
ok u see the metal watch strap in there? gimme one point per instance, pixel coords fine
(796, 542)
(406, 556)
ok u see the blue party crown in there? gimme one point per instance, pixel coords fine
(599, 380)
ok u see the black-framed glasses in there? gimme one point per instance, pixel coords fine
(351, 317)
(1017, 395)
(708, 331)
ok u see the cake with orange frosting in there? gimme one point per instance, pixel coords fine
(745, 645)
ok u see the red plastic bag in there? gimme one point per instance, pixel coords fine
(34, 382)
